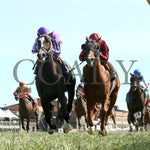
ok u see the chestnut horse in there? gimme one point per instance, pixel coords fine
(97, 84)
(51, 83)
(136, 108)
(26, 110)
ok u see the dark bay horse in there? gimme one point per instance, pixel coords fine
(81, 109)
(136, 108)
(98, 85)
(50, 81)
(26, 110)
(147, 120)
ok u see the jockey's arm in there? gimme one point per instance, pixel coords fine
(16, 92)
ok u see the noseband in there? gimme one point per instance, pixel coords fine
(94, 47)
(44, 51)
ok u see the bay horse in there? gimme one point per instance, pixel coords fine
(147, 114)
(26, 110)
(50, 81)
(97, 84)
(136, 108)
(81, 109)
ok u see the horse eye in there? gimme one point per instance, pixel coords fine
(96, 47)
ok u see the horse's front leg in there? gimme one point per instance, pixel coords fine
(70, 99)
(36, 114)
(130, 121)
(27, 126)
(67, 126)
(142, 120)
(22, 123)
(90, 113)
(47, 112)
(103, 115)
(62, 99)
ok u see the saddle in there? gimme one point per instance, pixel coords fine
(65, 67)
(108, 66)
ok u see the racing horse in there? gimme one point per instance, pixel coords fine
(51, 83)
(136, 108)
(98, 88)
(26, 110)
(147, 114)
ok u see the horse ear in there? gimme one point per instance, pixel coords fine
(50, 34)
(87, 39)
(98, 39)
(131, 74)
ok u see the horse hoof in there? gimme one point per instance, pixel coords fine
(142, 129)
(114, 126)
(91, 130)
(67, 127)
(66, 130)
(131, 128)
(51, 131)
(148, 127)
(107, 129)
(60, 130)
(103, 132)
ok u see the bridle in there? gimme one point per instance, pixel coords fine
(45, 47)
(91, 46)
(135, 81)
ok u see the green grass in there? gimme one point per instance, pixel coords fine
(74, 141)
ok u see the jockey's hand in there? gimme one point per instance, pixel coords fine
(16, 97)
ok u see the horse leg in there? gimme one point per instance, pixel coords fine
(27, 127)
(90, 113)
(79, 124)
(114, 120)
(62, 99)
(47, 112)
(70, 99)
(104, 117)
(22, 122)
(142, 120)
(113, 98)
(36, 114)
(130, 121)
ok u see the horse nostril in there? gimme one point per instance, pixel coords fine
(43, 55)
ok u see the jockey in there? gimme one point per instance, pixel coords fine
(143, 84)
(80, 91)
(23, 90)
(56, 42)
(104, 49)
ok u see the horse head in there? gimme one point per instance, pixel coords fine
(134, 82)
(91, 50)
(45, 46)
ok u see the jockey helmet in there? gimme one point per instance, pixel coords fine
(21, 84)
(43, 30)
(81, 85)
(137, 71)
(94, 36)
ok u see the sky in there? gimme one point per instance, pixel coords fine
(124, 25)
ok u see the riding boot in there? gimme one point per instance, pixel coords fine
(111, 71)
(31, 100)
(66, 72)
(112, 74)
